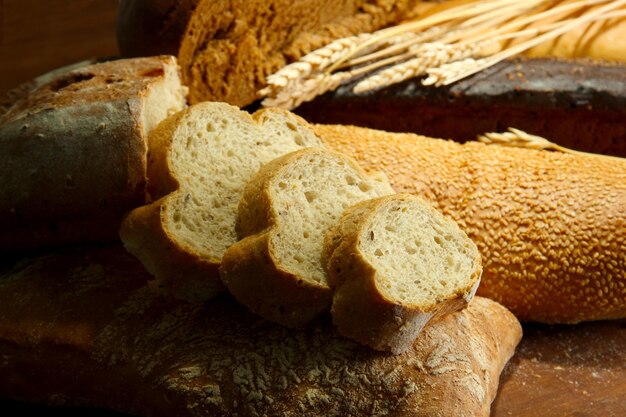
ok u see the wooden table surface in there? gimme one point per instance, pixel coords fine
(557, 371)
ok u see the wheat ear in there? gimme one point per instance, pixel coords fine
(519, 139)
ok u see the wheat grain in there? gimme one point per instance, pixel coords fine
(519, 139)
(438, 76)
(315, 61)
(307, 90)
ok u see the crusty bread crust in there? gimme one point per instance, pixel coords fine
(80, 327)
(551, 227)
(74, 151)
(362, 308)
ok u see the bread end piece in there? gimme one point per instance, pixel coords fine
(397, 264)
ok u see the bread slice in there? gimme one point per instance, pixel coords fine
(395, 263)
(74, 146)
(199, 163)
(277, 270)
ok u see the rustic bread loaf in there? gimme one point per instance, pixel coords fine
(227, 48)
(577, 104)
(551, 227)
(198, 164)
(276, 270)
(396, 263)
(79, 327)
(74, 150)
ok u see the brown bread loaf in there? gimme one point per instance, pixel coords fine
(577, 104)
(227, 48)
(551, 227)
(80, 327)
(74, 149)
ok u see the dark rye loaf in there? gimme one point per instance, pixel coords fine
(579, 104)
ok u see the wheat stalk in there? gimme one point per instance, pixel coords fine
(519, 139)
(429, 55)
(445, 45)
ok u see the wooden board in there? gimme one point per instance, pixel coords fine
(558, 371)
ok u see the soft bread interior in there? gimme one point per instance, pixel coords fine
(310, 194)
(165, 97)
(422, 258)
(214, 152)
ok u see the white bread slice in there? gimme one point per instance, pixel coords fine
(395, 263)
(199, 163)
(277, 270)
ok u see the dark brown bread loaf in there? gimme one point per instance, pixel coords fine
(551, 227)
(74, 147)
(577, 104)
(227, 48)
(80, 327)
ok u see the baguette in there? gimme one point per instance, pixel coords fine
(74, 150)
(80, 327)
(551, 227)
(276, 269)
(395, 264)
(198, 165)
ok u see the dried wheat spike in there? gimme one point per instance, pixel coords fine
(307, 90)
(438, 76)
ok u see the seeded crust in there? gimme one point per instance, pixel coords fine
(276, 270)
(227, 48)
(73, 146)
(199, 162)
(377, 302)
(551, 227)
(80, 327)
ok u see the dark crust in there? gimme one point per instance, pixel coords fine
(579, 104)
(141, 22)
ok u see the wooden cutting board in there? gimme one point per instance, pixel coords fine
(558, 371)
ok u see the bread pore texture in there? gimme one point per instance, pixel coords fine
(277, 270)
(396, 263)
(199, 163)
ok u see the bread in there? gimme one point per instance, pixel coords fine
(198, 165)
(395, 263)
(79, 327)
(551, 227)
(276, 269)
(227, 48)
(74, 150)
(577, 104)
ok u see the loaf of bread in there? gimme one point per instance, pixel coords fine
(577, 104)
(551, 227)
(80, 327)
(74, 149)
(276, 270)
(395, 264)
(227, 48)
(198, 165)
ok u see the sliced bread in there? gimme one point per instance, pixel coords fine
(199, 163)
(276, 270)
(395, 263)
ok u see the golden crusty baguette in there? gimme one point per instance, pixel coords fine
(79, 326)
(551, 227)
